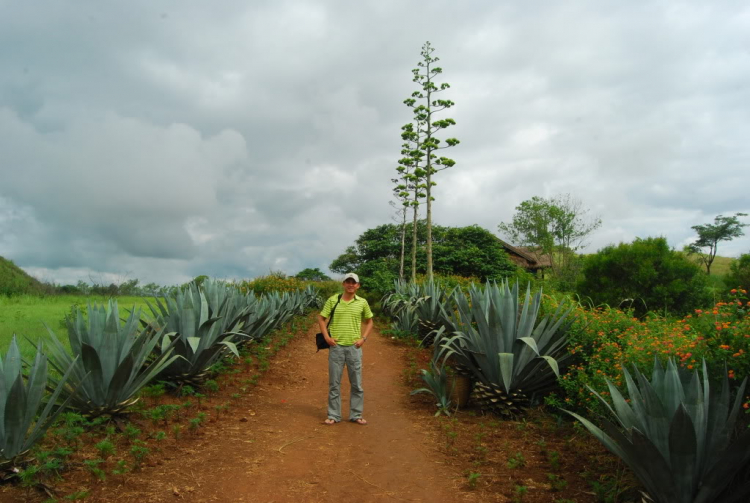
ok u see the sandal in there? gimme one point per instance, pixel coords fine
(330, 422)
(359, 420)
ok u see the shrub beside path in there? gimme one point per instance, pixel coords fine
(272, 446)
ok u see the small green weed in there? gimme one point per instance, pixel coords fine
(472, 478)
(556, 482)
(554, 459)
(93, 466)
(78, 495)
(516, 461)
(139, 451)
(519, 492)
(132, 432)
(106, 448)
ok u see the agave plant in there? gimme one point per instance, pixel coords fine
(512, 356)
(110, 361)
(436, 380)
(406, 321)
(418, 308)
(183, 322)
(676, 435)
(226, 303)
(24, 417)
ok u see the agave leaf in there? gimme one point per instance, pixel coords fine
(671, 393)
(47, 416)
(120, 379)
(623, 412)
(614, 447)
(552, 364)
(683, 450)
(505, 360)
(720, 474)
(96, 385)
(694, 405)
(652, 468)
(739, 396)
(232, 347)
(194, 343)
(15, 428)
(531, 343)
(36, 385)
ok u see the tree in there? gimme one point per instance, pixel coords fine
(466, 251)
(557, 227)
(645, 274)
(709, 236)
(739, 273)
(312, 275)
(420, 140)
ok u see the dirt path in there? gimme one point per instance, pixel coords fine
(272, 446)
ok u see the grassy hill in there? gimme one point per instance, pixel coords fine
(14, 281)
(720, 266)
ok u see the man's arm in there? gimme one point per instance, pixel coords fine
(322, 322)
(366, 329)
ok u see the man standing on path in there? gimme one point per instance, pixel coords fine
(350, 326)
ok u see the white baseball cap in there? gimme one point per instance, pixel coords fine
(351, 275)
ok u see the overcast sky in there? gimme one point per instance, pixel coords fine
(161, 140)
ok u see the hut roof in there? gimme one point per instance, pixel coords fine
(530, 258)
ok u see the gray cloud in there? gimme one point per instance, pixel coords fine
(162, 143)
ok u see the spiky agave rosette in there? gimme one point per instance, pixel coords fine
(25, 411)
(111, 361)
(513, 358)
(676, 434)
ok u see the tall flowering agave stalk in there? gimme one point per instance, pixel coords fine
(110, 361)
(510, 353)
(675, 433)
(24, 415)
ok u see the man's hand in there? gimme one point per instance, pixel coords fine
(358, 343)
(330, 341)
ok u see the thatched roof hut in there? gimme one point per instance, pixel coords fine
(530, 259)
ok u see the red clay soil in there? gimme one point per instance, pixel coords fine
(283, 452)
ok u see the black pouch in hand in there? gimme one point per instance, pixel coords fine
(320, 341)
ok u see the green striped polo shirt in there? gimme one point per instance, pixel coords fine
(346, 326)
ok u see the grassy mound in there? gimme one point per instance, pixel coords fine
(14, 281)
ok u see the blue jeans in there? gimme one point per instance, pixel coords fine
(351, 356)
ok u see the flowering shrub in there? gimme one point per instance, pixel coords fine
(607, 339)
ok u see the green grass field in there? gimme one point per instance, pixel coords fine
(25, 316)
(720, 267)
